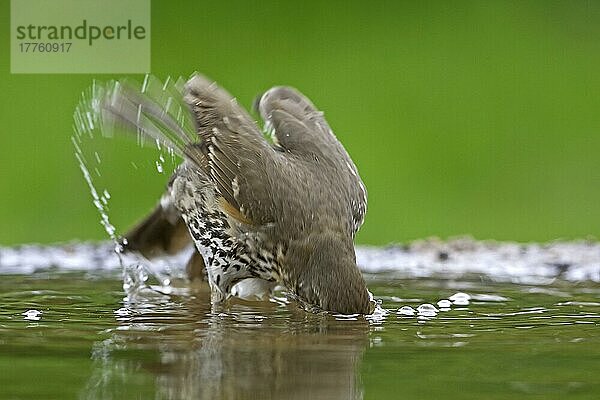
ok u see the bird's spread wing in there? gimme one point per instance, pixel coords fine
(202, 123)
(234, 153)
(224, 142)
(301, 129)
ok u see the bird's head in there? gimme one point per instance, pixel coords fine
(323, 273)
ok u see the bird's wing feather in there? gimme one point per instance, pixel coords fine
(218, 135)
(301, 129)
(235, 154)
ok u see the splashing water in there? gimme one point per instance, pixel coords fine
(86, 122)
(86, 118)
(90, 118)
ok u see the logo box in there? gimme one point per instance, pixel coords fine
(80, 36)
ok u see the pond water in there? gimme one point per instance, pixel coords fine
(68, 330)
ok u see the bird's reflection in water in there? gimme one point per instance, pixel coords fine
(177, 348)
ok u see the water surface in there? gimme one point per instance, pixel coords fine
(74, 334)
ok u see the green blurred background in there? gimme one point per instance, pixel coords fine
(476, 118)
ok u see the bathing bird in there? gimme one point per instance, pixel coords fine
(276, 207)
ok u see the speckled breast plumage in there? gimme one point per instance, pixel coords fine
(230, 254)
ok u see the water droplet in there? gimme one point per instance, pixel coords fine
(122, 312)
(166, 84)
(406, 311)
(444, 303)
(145, 84)
(127, 283)
(142, 274)
(32, 315)
(427, 310)
(460, 299)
